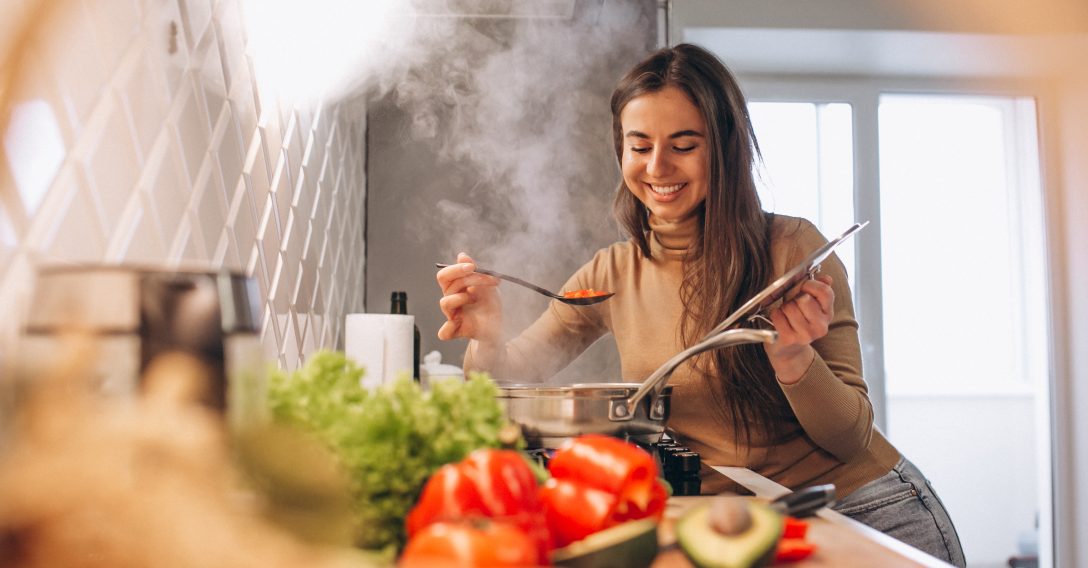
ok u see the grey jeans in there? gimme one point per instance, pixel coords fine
(902, 504)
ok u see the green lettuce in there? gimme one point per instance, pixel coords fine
(388, 440)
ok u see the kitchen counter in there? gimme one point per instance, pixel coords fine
(839, 540)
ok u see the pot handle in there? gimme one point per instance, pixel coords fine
(623, 409)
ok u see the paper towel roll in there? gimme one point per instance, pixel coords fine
(381, 344)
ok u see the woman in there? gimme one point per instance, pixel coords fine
(796, 411)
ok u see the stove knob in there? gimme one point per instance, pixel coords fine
(681, 463)
(684, 486)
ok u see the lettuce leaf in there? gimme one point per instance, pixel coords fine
(388, 440)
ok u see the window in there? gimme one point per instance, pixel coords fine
(807, 168)
(960, 228)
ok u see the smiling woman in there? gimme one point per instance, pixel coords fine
(664, 159)
(795, 410)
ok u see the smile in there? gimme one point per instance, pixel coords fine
(667, 189)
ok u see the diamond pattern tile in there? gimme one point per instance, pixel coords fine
(145, 101)
(242, 219)
(211, 210)
(230, 151)
(75, 65)
(196, 17)
(192, 129)
(80, 236)
(113, 25)
(111, 163)
(170, 189)
(167, 152)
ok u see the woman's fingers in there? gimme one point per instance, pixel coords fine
(463, 283)
(469, 300)
(820, 290)
(453, 303)
(450, 275)
(807, 316)
(448, 330)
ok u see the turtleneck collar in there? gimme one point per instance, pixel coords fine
(673, 238)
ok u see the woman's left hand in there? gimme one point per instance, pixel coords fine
(800, 321)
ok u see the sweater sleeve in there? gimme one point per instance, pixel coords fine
(831, 400)
(556, 338)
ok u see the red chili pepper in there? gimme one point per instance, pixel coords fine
(575, 510)
(794, 527)
(610, 464)
(496, 484)
(793, 549)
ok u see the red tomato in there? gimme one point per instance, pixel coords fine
(478, 543)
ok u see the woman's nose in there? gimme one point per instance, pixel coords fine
(658, 164)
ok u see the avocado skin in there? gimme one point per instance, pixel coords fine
(706, 548)
(630, 545)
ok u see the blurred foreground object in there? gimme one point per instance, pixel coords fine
(132, 314)
(93, 481)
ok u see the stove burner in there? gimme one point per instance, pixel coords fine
(678, 464)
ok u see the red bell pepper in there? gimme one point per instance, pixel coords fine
(655, 506)
(575, 510)
(610, 464)
(449, 494)
(495, 484)
(470, 544)
(793, 549)
(794, 527)
(598, 482)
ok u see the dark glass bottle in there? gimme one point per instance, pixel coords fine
(400, 306)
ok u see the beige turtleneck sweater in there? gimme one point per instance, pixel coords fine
(836, 442)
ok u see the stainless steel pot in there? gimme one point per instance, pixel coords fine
(550, 415)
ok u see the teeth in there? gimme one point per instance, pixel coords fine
(666, 189)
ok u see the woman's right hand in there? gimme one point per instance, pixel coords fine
(470, 302)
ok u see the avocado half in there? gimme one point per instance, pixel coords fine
(708, 548)
(629, 545)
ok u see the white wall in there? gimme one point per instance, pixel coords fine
(154, 145)
(1068, 208)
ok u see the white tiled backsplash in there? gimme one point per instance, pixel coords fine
(138, 135)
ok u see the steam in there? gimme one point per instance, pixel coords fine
(520, 102)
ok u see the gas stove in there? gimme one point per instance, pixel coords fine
(678, 464)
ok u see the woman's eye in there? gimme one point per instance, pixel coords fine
(684, 149)
(639, 150)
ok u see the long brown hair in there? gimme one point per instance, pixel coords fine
(731, 260)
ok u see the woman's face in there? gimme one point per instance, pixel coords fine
(665, 158)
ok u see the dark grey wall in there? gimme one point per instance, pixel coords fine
(500, 146)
